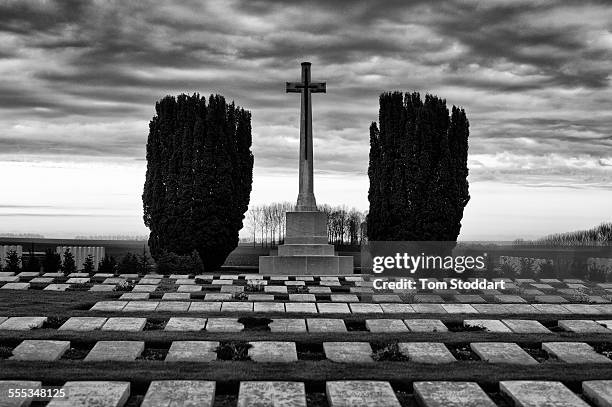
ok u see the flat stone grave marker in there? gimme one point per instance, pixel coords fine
(102, 288)
(333, 308)
(275, 289)
(301, 307)
(551, 309)
(94, 393)
(140, 306)
(598, 391)
(451, 394)
(83, 324)
(176, 296)
(542, 286)
(187, 288)
(15, 286)
(428, 308)
(134, 296)
(218, 297)
(468, 298)
(459, 309)
(363, 308)
(262, 297)
(393, 308)
(222, 282)
(40, 350)
(574, 352)
(428, 298)
(425, 325)
(224, 325)
(113, 280)
(386, 298)
(386, 325)
(232, 289)
(360, 393)
(325, 325)
(185, 324)
(6, 385)
(235, 306)
(302, 297)
(319, 290)
(502, 352)
(78, 280)
(426, 352)
(294, 283)
(173, 306)
(344, 298)
(192, 351)
(348, 352)
(550, 299)
(272, 351)
(186, 393)
(124, 324)
(42, 280)
(205, 307)
(525, 326)
(179, 276)
(184, 281)
(509, 299)
(23, 323)
(57, 287)
(526, 393)
(115, 351)
(269, 307)
(489, 325)
(144, 288)
(109, 306)
(583, 326)
(287, 325)
(584, 309)
(272, 394)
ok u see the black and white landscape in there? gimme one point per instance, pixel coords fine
(305, 203)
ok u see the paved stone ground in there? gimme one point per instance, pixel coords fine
(336, 326)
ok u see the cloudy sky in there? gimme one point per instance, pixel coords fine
(79, 80)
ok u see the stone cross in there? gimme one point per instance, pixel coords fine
(306, 199)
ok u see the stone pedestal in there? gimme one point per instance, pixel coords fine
(306, 251)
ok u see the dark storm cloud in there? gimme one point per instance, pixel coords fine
(81, 77)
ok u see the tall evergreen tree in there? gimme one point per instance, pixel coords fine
(199, 177)
(418, 169)
(13, 262)
(68, 264)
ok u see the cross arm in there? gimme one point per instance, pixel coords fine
(317, 87)
(294, 87)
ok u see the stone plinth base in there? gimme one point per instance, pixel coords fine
(306, 251)
(306, 265)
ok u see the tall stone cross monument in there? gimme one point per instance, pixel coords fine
(306, 199)
(305, 250)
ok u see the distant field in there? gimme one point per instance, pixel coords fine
(244, 255)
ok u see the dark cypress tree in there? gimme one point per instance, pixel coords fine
(199, 177)
(68, 265)
(418, 169)
(52, 261)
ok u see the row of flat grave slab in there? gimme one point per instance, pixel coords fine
(286, 352)
(348, 308)
(379, 325)
(342, 393)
